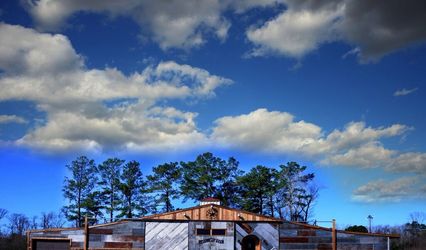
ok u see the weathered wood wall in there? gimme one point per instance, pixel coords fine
(120, 235)
(166, 235)
(126, 234)
(76, 236)
(141, 235)
(297, 236)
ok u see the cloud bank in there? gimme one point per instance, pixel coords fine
(372, 28)
(45, 69)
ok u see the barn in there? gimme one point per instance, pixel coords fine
(207, 226)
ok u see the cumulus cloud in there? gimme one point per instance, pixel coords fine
(12, 119)
(99, 108)
(266, 131)
(414, 162)
(371, 154)
(172, 24)
(279, 132)
(374, 28)
(295, 33)
(402, 92)
(389, 191)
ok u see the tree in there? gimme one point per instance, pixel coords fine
(356, 228)
(293, 197)
(77, 188)
(228, 186)
(18, 224)
(163, 183)
(110, 172)
(208, 176)
(94, 206)
(3, 213)
(33, 224)
(307, 201)
(132, 187)
(257, 188)
(51, 220)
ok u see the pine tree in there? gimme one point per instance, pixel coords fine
(110, 172)
(209, 176)
(163, 183)
(257, 188)
(132, 187)
(77, 188)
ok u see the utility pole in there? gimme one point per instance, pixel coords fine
(370, 218)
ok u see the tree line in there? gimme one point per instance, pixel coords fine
(117, 189)
(12, 233)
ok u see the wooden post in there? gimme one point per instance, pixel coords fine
(86, 234)
(388, 243)
(28, 240)
(334, 236)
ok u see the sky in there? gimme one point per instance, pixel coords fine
(338, 86)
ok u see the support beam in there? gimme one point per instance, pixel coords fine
(334, 236)
(86, 233)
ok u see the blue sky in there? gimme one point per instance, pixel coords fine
(336, 85)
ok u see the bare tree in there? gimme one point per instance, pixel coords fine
(51, 220)
(18, 224)
(310, 199)
(3, 213)
(33, 223)
(419, 217)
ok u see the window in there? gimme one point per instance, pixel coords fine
(203, 231)
(218, 231)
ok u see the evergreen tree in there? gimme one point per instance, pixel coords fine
(77, 188)
(208, 176)
(163, 182)
(110, 172)
(257, 188)
(228, 186)
(132, 188)
(94, 206)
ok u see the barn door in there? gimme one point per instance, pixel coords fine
(50, 244)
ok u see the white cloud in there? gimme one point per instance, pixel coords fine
(172, 24)
(294, 33)
(278, 132)
(409, 162)
(25, 51)
(265, 131)
(356, 134)
(402, 92)
(371, 154)
(302, 26)
(12, 119)
(73, 97)
(389, 191)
